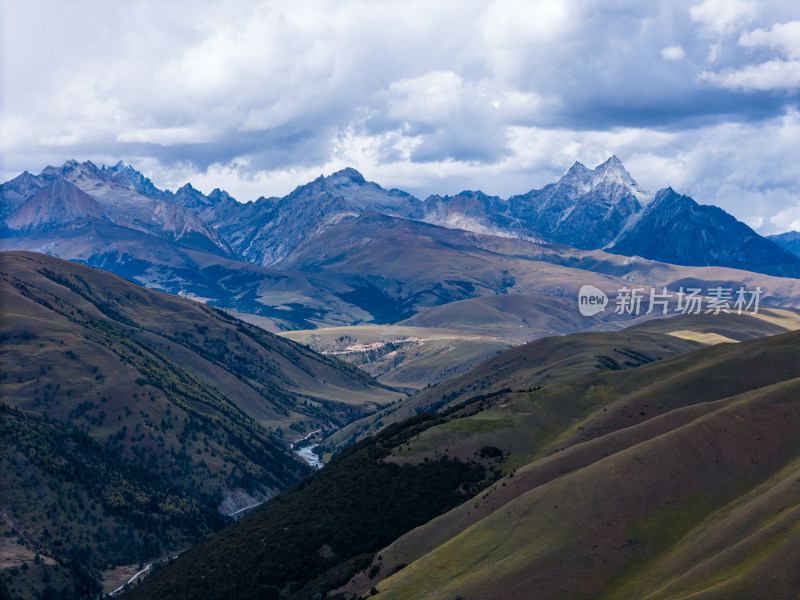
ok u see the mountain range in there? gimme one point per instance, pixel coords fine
(342, 251)
(601, 208)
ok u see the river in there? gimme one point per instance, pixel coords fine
(308, 455)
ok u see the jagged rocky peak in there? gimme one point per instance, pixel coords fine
(190, 197)
(478, 195)
(668, 197)
(127, 176)
(346, 176)
(68, 167)
(59, 203)
(21, 186)
(217, 195)
(125, 171)
(613, 169)
(353, 193)
(609, 173)
(577, 170)
(676, 229)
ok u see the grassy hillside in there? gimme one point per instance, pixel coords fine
(550, 361)
(380, 270)
(674, 478)
(201, 402)
(404, 357)
(638, 523)
(415, 266)
(543, 362)
(281, 299)
(519, 317)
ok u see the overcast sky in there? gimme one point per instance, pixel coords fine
(431, 97)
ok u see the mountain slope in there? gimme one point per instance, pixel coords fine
(416, 266)
(409, 358)
(275, 381)
(675, 229)
(269, 230)
(361, 254)
(80, 508)
(175, 411)
(277, 300)
(637, 477)
(586, 208)
(476, 212)
(57, 204)
(129, 177)
(554, 360)
(318, 534)
(672, 477)
(638, 515)
(120, 194)
(789, 241)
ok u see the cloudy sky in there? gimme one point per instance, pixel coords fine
(430, 97)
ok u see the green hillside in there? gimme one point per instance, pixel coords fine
(518, 317)
(414, 267)
(553, 360)
(79, 509)
(619, 483)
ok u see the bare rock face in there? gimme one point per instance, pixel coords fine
(56, 205)
(268, 230)
(586, 208)
(77, 193)
(676, 229)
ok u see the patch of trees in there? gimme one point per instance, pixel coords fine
(315, 536)
(90, 507)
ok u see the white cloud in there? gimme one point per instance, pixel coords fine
(781, 36)
(777, 74)
(754, 222)
(430, 98)
(771, 75)
(167, 136)
(714, 52)
(718, 18)
(739, 167)
(673, 53)
(788, 219)
(516, 32)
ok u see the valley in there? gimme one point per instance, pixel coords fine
(144, 419)
(604, 483)
(408, 358)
